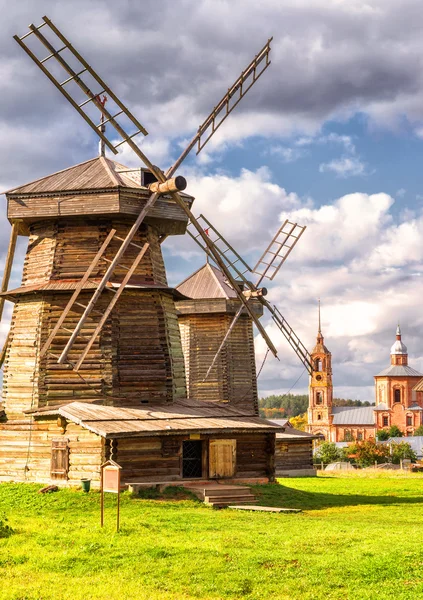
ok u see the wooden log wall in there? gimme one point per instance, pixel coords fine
(201, 337)
(146, 459)
(20, 374)
(160, 458)
(233, 378)
(64, 250)
(149, 359)
(293, 455)
(25, 451)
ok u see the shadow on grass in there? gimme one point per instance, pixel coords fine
(169, 493)
(276, 494)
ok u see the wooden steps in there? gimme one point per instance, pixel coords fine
(221, 496)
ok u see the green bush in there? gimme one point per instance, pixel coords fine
(402, 450)
(382, 435)
(395, 431)
(367, 453)
(327, 453)
(419, 430)
(5, 529)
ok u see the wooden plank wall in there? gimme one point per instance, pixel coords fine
(144, 459)
(160, 458)
(149, 358)
(165, 215)
(233, 378)
(20, 371)
(25, 451)
(292, 455)
(202, 335)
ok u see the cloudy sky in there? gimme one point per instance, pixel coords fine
(331, 136)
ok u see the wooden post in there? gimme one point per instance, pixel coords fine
(8, 265)
(101, 501)
(118, 506)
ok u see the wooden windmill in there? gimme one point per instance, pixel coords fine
(96, 231)
(217, 333)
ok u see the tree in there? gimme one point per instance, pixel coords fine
(402, 450)
(327, 453)
(395, 431)
(419, 430)
(367, 453)
(382, 435)
(299, 422)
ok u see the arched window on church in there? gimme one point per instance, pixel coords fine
(319, 398)
(318, 364)
(348, 436)
(319, 417)
(397, 395)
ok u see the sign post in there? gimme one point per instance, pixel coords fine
(110, 482)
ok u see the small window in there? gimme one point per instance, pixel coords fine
(409, 420)
(359, 436)
(385, 421)
(319, 417)
(319, 398)
(397, 395)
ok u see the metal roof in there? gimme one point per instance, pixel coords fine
(350, 415)
(415, 441)
(381, 406)
(181, 417)
(399, 371)
(207, 282)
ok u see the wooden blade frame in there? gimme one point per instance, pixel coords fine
(292, 338)
(5, 282)
(278, 250)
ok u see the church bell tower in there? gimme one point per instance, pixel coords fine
(320, 388)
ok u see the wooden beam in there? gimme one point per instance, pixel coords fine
(8, 266)
(4, 350)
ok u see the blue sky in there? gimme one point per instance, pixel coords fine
(331, 136)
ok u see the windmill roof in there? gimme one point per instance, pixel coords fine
(206, 282)
(97, 173)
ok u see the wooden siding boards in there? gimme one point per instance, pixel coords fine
(25, 451)
(94, 188)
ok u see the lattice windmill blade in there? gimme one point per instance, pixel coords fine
(93, 96)
(215, 119)
(233, 260)
(278, 250)
(290, 335)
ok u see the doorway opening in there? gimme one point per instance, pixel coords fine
(192, 459)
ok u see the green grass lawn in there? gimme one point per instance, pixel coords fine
(359, 537)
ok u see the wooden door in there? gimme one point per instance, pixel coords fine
(222, 457)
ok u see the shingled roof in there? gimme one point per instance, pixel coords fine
(207, 282)
(97, 173)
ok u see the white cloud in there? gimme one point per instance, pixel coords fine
(346, 166)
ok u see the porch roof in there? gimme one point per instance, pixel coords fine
(182, 417)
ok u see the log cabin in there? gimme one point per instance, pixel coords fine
(128, 401)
